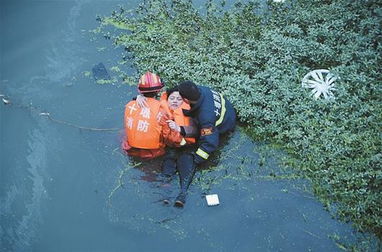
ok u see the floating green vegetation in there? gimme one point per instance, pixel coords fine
(103, 81)
(87, 73)
(115, 69)
(100, 49)
(258, 62)
(118, 23)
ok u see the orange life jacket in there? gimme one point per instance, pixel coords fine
(142, 126)
(171, 137)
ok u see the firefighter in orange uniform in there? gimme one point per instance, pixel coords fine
(151, 124)
(142, 128)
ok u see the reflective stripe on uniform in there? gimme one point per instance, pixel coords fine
(220, 120)
(202, 153)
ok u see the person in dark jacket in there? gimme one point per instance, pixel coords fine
(214, 116)
(213, 113)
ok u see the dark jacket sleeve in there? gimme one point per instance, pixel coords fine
(190, 131)
(209, 135)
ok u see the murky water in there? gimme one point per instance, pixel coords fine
(66, 188)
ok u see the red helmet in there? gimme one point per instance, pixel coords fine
(149, 82)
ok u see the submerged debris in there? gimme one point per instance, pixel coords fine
(4, 99)
(100, 72)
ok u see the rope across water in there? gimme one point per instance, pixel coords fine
(40, 112)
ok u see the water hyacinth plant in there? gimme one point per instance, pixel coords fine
(257, 55)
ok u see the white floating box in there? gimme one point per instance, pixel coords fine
(212, 199)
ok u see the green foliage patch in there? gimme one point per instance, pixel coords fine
(258, 61)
